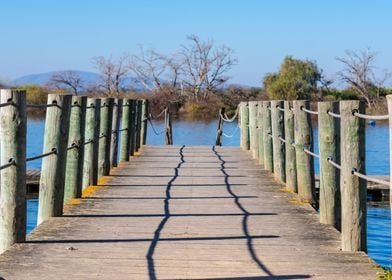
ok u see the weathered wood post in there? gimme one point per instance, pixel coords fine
(89, 132)
(218, 140)
(303, 140)
(291, 168)
(353, 189)
(267, 129)
(329, 147)
(260, 120)
(105, 137)
(96, 140)
(168, 128)
(75, 153)
(13, 176)
(389, 100)
(277, 121)
(253, 135)
(125, 143)
(138, 124)
(144, 118)
(116, 117)
(133, 117)
(51, 186)
(244, 125)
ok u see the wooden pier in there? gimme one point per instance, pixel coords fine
(184, 212)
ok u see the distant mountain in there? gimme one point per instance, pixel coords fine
(88, 78)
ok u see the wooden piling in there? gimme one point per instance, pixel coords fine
(75, 153)
(260, 138)
(97, 125)
(144, 118)
(291, 168)
(303, 139)
(278, 149)
(13, 178)
(51, 186)
(267, 129)
(244, 125)
(133, 120)
(353, 189)
(329, 147)
(253, 135)
(168, 128)
(105, 137)
(116, 117)
(219, 132)
(389, 100)
(138, 124)
(88, 146)
(125, 142)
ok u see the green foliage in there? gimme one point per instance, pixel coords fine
(36, 94)
(335, 94)
(296, 79)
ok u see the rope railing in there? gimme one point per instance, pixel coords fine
(7, 104)
(225, 118)
(43, 105)
(309, 111)
(41, 155)
(334, 114)
(231, 135)
(281, 139)
(157, 133)
(11, 162)
(371, 117)
(311, 153)
(330, 160)
(368, 178)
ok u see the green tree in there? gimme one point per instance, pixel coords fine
(296, 79)
(36, 94)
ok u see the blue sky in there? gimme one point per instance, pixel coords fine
(45, 35)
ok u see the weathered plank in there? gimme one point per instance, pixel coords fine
(201, 214)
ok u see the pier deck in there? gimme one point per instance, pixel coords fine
(185, 212)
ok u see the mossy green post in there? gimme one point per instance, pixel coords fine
(389, 100)
(133, 120)
(291, 168)
(304, 139)
(144, 119)
(329, 147)
(75, 153)
(125, 142)
(51, 186)
(260, 119)
(97, 126)
(138, 124)
(353, 189)
(89, 132)
(116, 117)
(278, 147)
(13, 178)
(253, 135)
(105, 137)
(267, 133)
(244, 125)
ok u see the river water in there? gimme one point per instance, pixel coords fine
(191, 132)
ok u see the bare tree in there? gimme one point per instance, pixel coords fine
(205, 66)
(113, 73)
(156, 72)
(69, 80)
(358, 73)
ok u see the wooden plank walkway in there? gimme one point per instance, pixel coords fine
(185, 213)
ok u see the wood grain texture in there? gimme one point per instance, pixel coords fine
(278, 147)
(267, 129)
(291, 166)
(244, 126)
(186, 213)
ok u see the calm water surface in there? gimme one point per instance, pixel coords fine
(203, 133)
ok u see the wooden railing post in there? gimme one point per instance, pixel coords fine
(253, 135)
(277, 121)
(389, 100)
(116, 117)
(144, 118)
(51, 186)
(304, 140)
(244, 125)
(89, 139)
(218, 140)
(260, 132)
(133, 119)
(353, 189)
(267, 136)
(168, 128)
(75, 153)
(329, 144)
(105, 137)
(125, 142)
(138, 124)
(291, 168)
(96, 140)
(13, 178)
